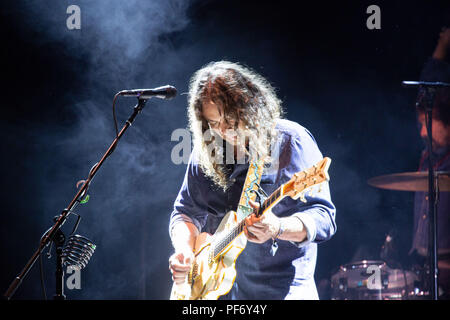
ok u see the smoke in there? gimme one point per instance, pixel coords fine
(343, 88)
(120, 45)
(367, 131)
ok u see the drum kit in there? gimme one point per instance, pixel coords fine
(375, 279)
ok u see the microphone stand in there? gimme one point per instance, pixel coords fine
(59, 240)
(432, 195)
(54, 233)
(430, 91)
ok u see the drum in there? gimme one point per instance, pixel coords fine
(372, 280)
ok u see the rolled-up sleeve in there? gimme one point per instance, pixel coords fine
(318, 214)
(189, 206)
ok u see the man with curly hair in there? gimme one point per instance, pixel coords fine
(234, 116)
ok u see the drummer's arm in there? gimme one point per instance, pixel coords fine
(443, 45)
(444, 264)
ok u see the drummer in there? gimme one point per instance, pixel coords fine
(437, 68)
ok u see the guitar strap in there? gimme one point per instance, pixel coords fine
(250, 189)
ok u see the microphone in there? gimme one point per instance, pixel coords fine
(165, 92)
(413, 84)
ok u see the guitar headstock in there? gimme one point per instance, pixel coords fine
(306, 179)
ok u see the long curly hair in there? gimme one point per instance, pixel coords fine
(245, 97)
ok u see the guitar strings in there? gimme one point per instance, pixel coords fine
(235, 231)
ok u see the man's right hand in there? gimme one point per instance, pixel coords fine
(180, 264)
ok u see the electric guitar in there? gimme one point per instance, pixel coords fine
(213, 271)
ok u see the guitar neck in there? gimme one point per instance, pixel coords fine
(294, 188)
(272, 200)
(224, 240)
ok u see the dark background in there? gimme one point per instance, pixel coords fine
(337, 78)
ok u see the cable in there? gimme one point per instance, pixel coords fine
(41, 263)
(41, 271)
(41, 267)
(114, 114)
(79, 249)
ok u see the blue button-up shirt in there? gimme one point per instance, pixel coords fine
(289, 274)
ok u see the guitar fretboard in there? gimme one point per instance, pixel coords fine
(294, 188)
(269, 201)
(224, 240)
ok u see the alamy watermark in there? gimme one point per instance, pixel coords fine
(374, 20)
(73, 281)
(73, 21)
(374, 281)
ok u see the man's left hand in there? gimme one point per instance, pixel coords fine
(260, 229)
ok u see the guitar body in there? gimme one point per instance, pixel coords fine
(211, 278)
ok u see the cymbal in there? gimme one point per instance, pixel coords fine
(410, 181)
